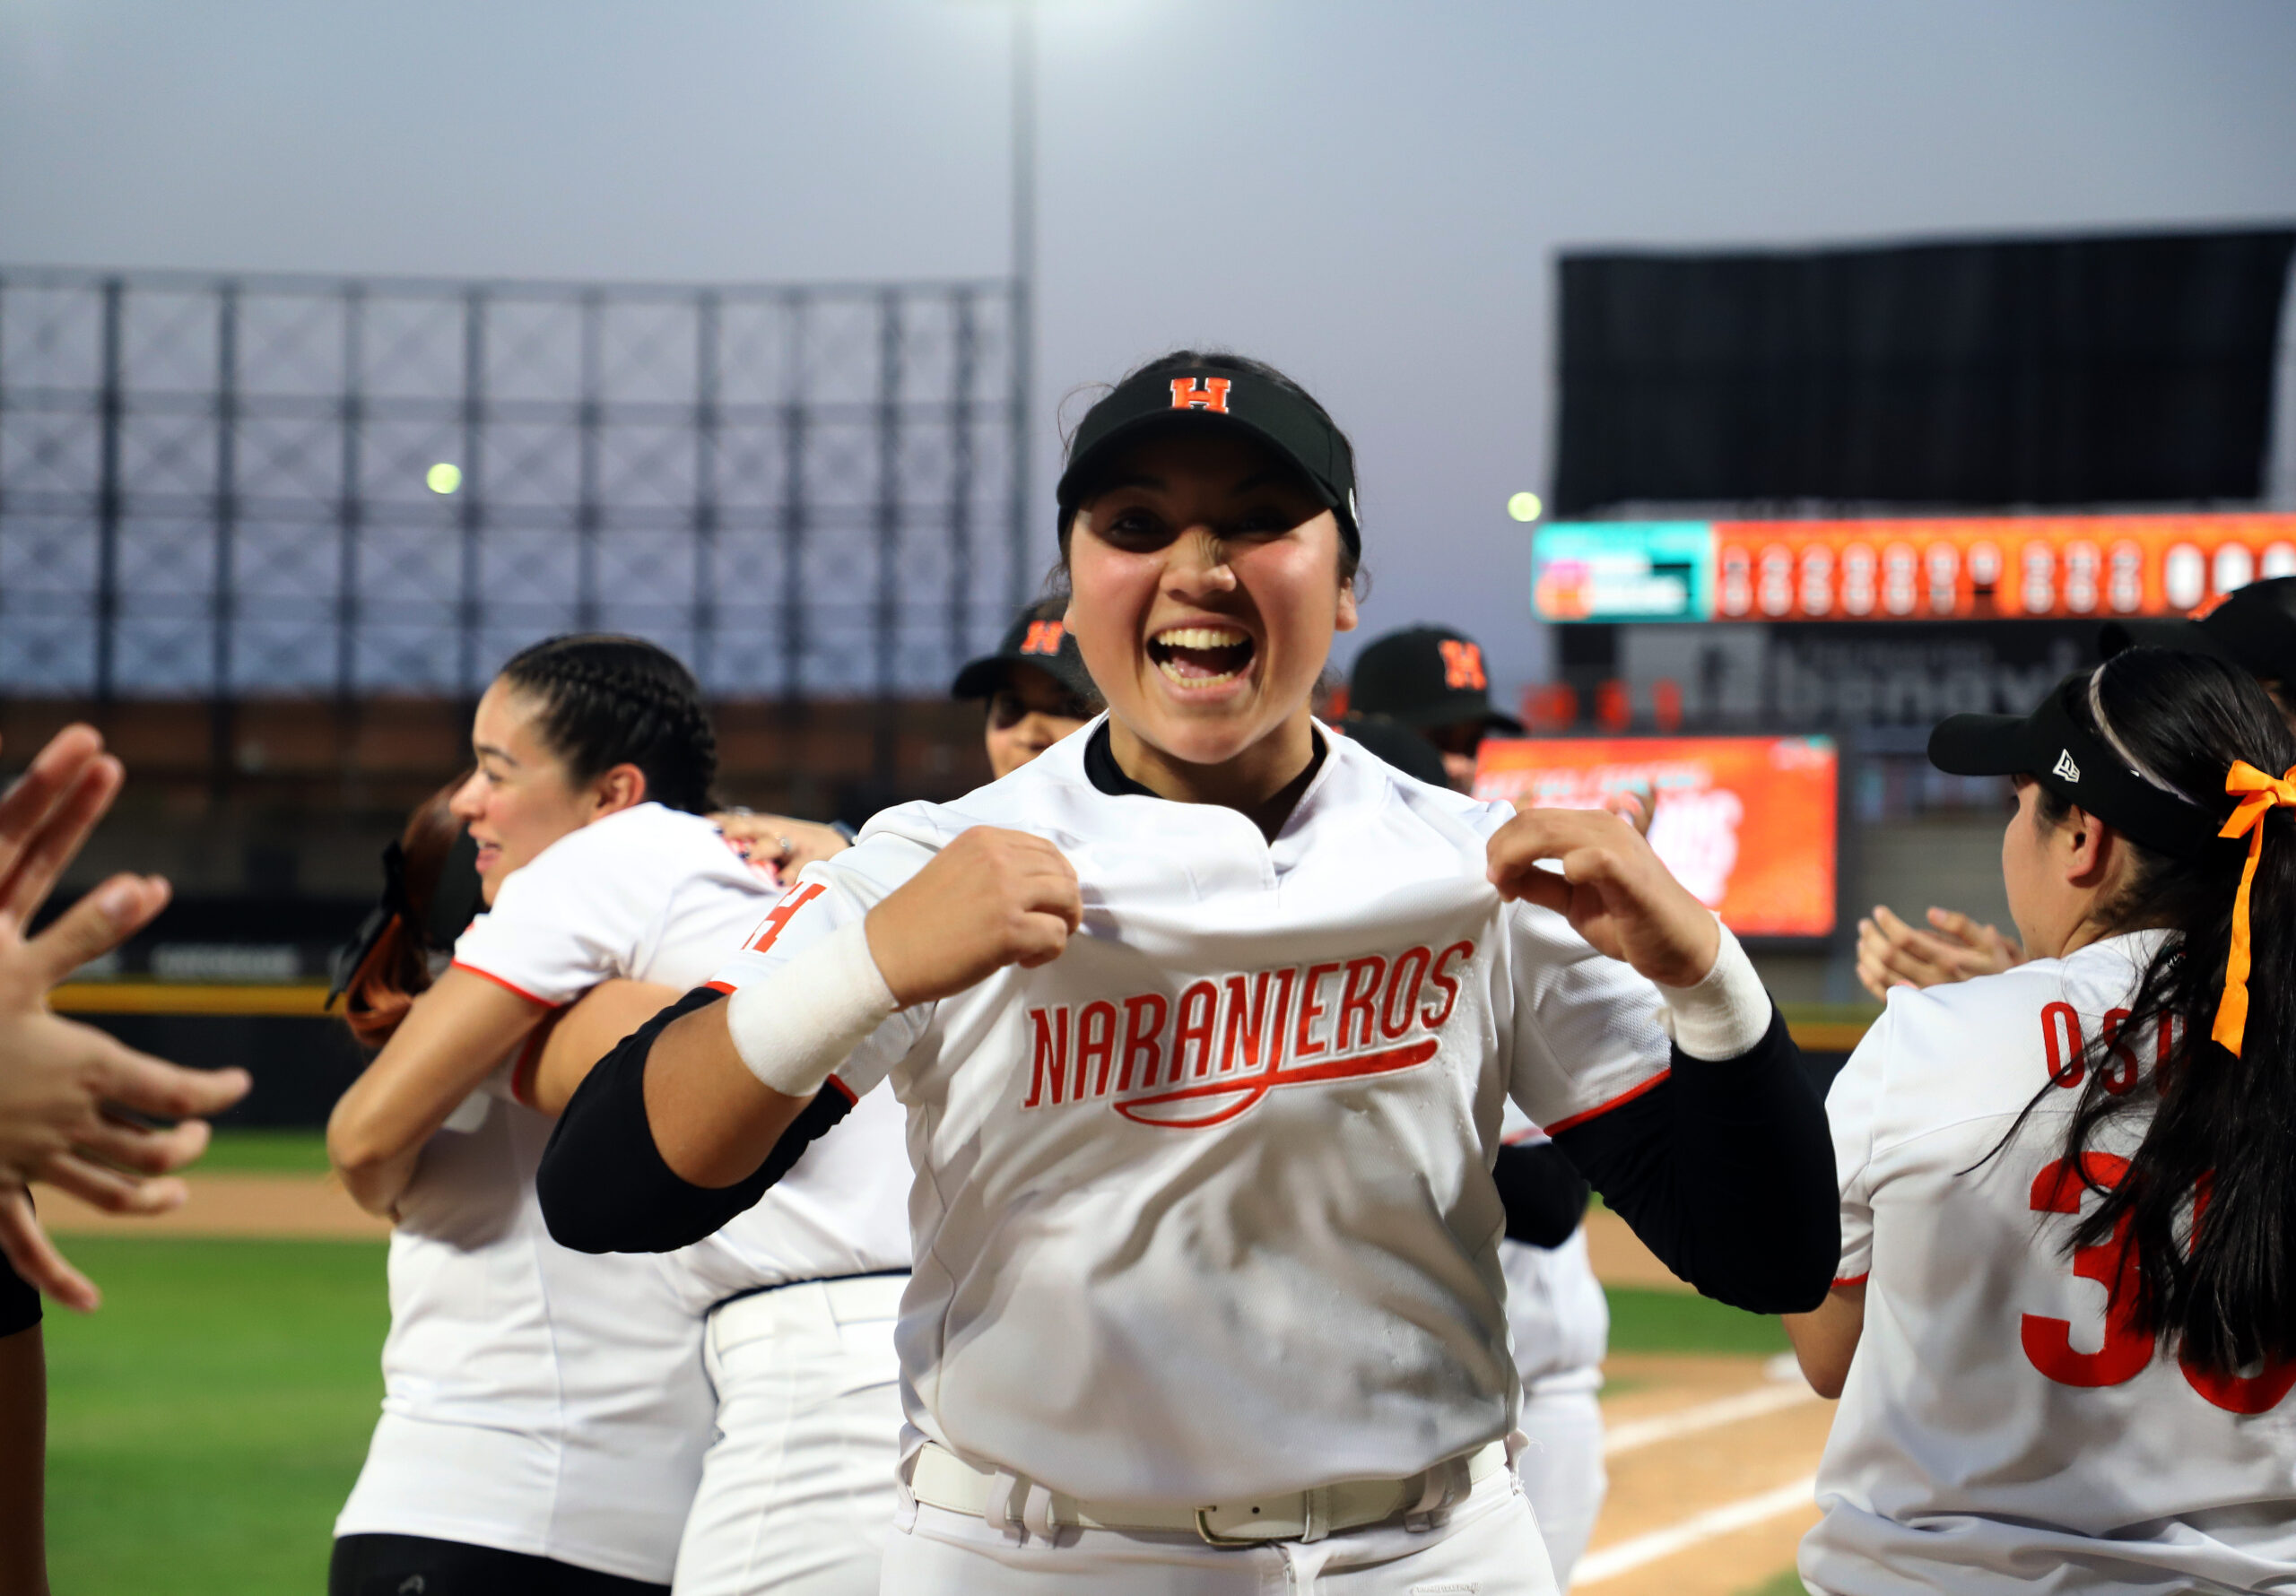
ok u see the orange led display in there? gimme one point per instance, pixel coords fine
(2026, 568)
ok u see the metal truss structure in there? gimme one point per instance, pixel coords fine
(221, 486)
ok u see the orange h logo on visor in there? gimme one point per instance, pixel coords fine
(1463, 665)
(1044, 636)
(1211, 394)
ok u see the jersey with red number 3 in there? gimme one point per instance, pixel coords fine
(2002, 1427)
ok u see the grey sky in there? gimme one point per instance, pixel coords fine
(1369, 195)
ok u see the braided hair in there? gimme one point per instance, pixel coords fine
(603, 700)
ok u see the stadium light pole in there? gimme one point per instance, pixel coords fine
(1023, 266)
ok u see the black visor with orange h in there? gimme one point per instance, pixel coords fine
(1206, 397)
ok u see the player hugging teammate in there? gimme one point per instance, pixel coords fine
(1204, 1022)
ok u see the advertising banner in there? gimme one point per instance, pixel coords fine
(1748, 824)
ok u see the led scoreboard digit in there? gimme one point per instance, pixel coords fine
(2000, 568)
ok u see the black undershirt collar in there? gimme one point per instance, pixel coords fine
(1106, 775)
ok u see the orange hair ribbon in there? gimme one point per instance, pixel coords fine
(2256, 792)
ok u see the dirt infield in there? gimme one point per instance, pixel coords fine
(1669, 1484)
(1708, 1450)
(283, 1206)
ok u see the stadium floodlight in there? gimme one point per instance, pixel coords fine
(1525, 507)
(443, 478)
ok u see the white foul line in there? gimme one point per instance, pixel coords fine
(1746, 1404)
(1612, 1561)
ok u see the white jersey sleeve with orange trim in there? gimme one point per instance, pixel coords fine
(1587, 1036)
(1851, 1104)
(605, 901)
(827, 895)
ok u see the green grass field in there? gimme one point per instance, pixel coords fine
(266, 1152)
(205, 1425)
(1644, 1321)
(1788, 1583)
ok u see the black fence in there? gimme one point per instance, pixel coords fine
(226, 486)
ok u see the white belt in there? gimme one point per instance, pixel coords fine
(941, 1478)
(807, 1306)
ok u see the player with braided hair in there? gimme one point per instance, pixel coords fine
(545, 1413)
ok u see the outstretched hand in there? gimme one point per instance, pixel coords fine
(1612, 888)
(989, 899)
(62, 1084)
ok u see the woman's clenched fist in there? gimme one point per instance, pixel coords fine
(990, 898)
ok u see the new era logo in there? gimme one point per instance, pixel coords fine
(2064, 767)
(1211, 394)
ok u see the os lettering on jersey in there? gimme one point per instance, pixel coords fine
(1217, 1050)
(1211, 394)
(2068, 1052)
(1463, 665)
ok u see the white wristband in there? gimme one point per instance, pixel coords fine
(801, 1022)
(1724, 1014)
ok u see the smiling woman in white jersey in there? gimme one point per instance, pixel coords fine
(2065, 1329)
(545, 1412)
(1207, 1295)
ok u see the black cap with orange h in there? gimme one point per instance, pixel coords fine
(1273, 414)
(1039, 637)
(1426, 676)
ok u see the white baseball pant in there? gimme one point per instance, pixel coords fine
(1489, 1545)
(798, 1488)
(1562, 1472)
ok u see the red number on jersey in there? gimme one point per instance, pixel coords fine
(2259, 1392)
(2049, 1343)
(2127, 1350)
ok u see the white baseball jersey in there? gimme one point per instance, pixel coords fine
(1997, 1434)
(1202, 1206)
(1556, 1312)
(539, 1399)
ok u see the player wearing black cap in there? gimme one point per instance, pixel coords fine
(1228, 1319)
(1432, 680)
(2253, 628)
(1036, 686)
(2063, 1324)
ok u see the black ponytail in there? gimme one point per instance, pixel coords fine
(2219, 1289)
(604, 701)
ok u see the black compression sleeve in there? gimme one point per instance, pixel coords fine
(1543, 1193)
(1726, 1172)
(19, 1302)
(603, 1183)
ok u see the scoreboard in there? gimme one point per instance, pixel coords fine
(1994, 568)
